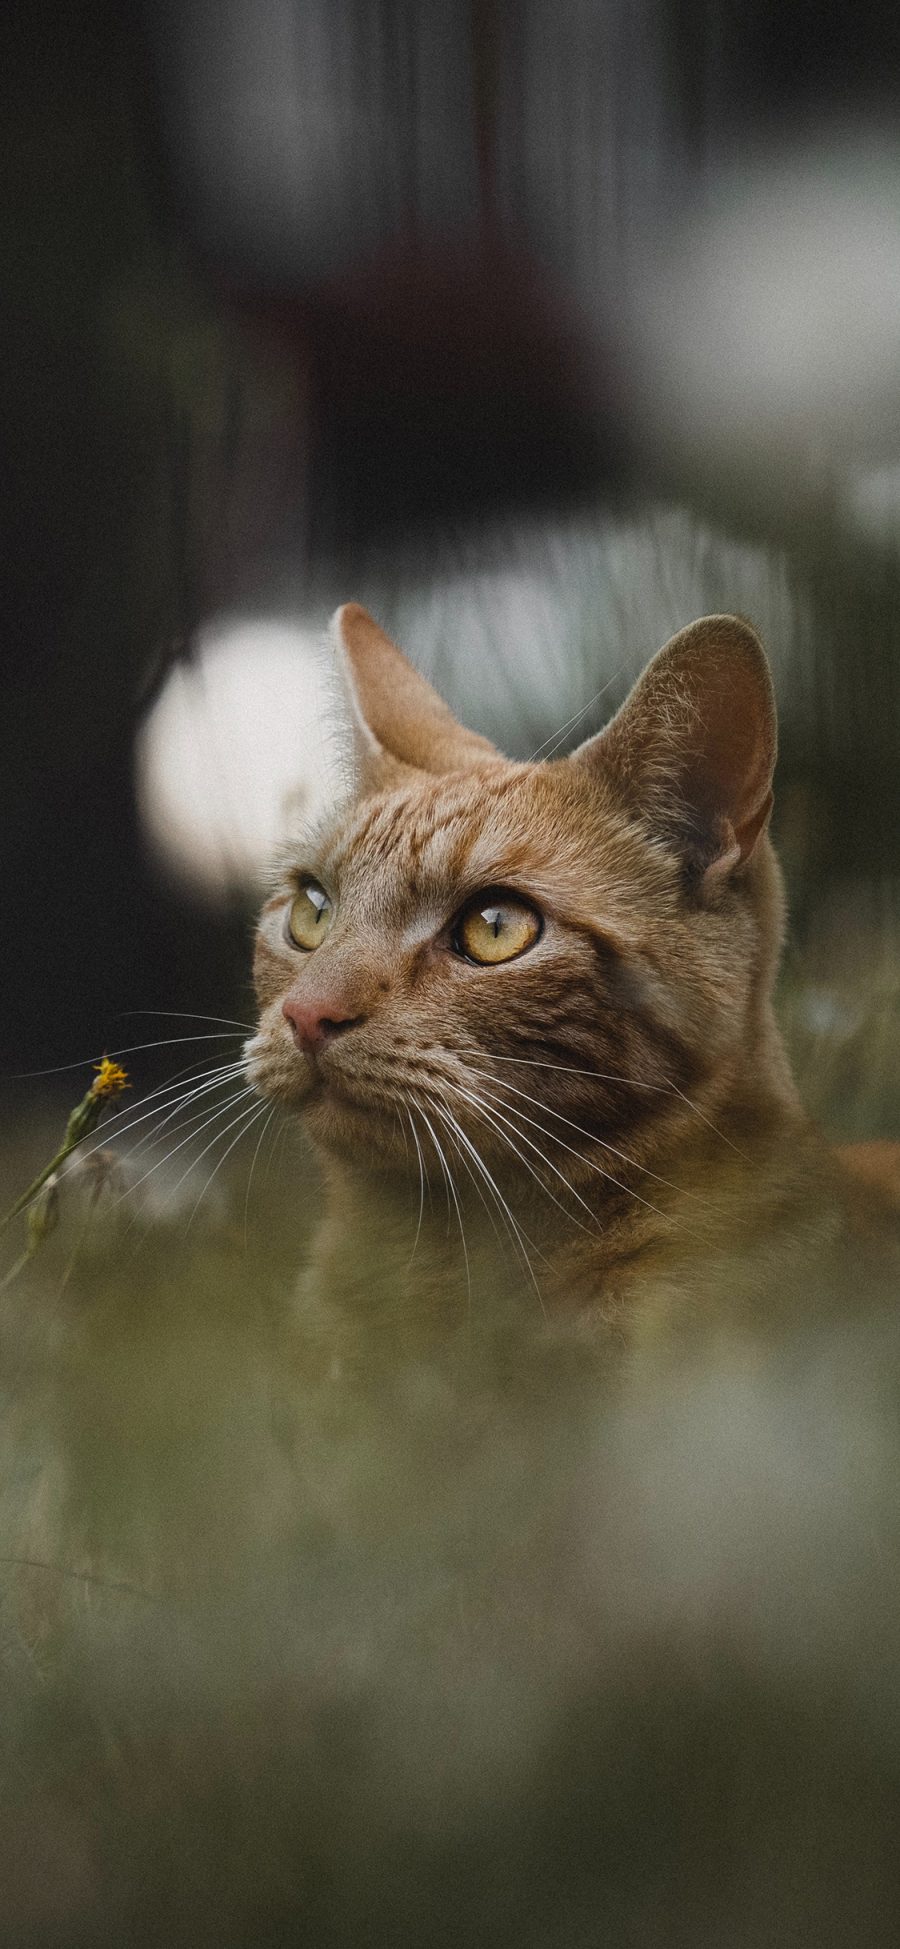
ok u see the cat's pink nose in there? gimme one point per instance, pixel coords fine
(316, 1022)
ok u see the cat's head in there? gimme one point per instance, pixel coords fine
(469, 943)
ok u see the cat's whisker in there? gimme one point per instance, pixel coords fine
(455, 1134)
(266, 1126)
(276, 1148)
(192, 1074)
(278, 1145)
(608, 1076)
(489, 1117)
(132, 1049)
(191, 1015)
(556, 738)
(519, 1237)
(115, 1129)
(439, 1156)
(122, 1121)
(112, 1134)
(219, 1111)
(204, 1083)
(204, 1089)
(247, 1120)
(537, 1104)
(567, 1069)
(451, 1188)
(591, 1166)
(703, 1118)
(243, 1117)
(421, 1182)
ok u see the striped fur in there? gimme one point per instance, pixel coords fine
(617, 1098)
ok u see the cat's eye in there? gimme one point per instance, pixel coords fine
(496, 927)
(310, 915)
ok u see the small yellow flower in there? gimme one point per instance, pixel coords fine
(111, 1078)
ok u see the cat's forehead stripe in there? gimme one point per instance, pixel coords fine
(447, 836)
(444, 821)
(409, 855)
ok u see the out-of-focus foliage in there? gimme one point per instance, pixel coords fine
(475, 1649)
(540, 327)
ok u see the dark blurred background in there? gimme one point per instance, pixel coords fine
(541, 325)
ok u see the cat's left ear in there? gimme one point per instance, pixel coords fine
(692, 750)
(399, 715)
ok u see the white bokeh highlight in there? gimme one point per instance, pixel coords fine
(768, 320)
(239, 742)
(533, 633)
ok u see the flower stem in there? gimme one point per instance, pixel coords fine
(34, 1188)
(109, 1081)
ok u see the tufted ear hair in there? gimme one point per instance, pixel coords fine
(692, 750)
(399, 716)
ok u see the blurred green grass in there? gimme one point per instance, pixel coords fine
(463, 1654)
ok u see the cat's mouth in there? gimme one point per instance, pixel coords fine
(355, 1117)
(310, 1082)
(333, 1087)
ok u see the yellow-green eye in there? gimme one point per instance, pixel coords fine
(310, 916)
(496, 927)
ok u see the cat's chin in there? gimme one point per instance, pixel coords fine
(365, 1130)
(338, 1116)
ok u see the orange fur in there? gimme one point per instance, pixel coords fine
(875, 1164)
(610, 1117)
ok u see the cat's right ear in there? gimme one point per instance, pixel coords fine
(396, 716)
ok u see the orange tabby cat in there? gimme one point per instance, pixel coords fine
(526, 1010)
